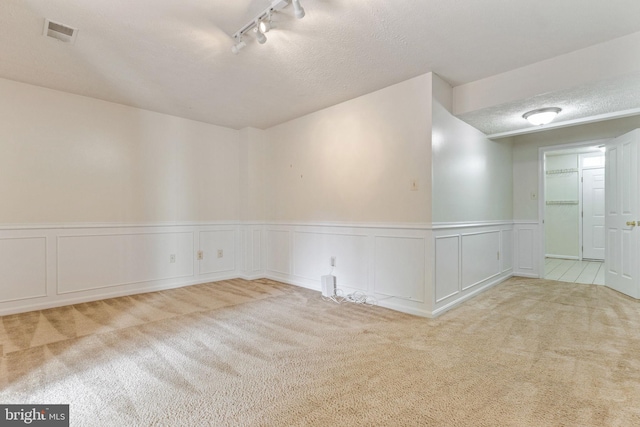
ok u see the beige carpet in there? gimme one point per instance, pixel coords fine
(238, 353)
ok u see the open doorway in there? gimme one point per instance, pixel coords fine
(572, 205)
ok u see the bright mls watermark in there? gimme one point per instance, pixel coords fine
(34, 415)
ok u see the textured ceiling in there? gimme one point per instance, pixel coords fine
(174, 56)
(583, 101)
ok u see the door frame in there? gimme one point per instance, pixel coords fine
(542, 151)
(581, 170)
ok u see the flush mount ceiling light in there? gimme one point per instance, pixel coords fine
(542, 116)
(261, 24)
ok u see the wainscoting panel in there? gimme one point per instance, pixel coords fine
(526, 254)
(23, 270)
(419, 269)
(256, 246)
(506, 251)
(313, 251)
(219, 251)
(469, 259)
(480, 257)
(42, 267)
(250, 251)
(447, 266)
(279, 251)
(386, 263)
(400, 267)
(88, 262)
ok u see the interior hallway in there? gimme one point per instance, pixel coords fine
(566, 270)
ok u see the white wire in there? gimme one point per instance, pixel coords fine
(354, 297)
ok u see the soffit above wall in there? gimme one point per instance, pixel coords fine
(587, 103)
(597, 83)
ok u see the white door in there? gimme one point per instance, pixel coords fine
(621, 181)
(593, 234)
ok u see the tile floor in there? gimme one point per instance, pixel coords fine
(566, 270)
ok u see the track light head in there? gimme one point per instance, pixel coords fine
(238, 46)
(265, 25)
(262, 39)
(262, 24)
(297, 9)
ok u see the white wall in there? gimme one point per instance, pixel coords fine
(472, 175)
(100, 200)
(71, 159)
(354, 162)
(276, 203)
(253, 171)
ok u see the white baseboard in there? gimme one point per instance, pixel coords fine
(251, 276)
(393, 305)
(452, 304)
(70, 299)
(571, 257)
(527, 275)
(388, 302)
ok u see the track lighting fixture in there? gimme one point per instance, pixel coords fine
(298, 10)
(264, 26)
(261, 24)
(262, 39)
(238, 46)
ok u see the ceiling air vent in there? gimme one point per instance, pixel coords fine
(60, 32)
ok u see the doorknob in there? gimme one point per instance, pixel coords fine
(631, 223)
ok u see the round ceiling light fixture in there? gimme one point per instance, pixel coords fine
(542, 116)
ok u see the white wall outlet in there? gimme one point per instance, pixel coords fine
(220, 253)
(414, 184)
(172, 258)
(200, 255)
(333, 261)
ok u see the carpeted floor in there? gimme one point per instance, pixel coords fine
(237, 353)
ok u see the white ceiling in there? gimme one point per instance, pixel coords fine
(173, 56)
(583, 103)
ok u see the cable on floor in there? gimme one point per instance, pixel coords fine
(354, 297)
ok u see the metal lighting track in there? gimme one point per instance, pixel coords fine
(276, 5)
